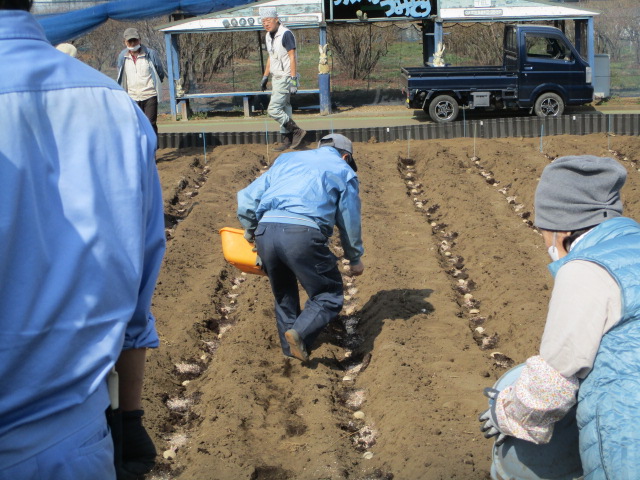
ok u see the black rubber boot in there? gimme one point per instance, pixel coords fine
(298, 133)
(286, 142)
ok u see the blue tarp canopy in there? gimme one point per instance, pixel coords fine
(67, 26)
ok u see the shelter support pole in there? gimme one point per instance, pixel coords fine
(432, 36)
(579, 31)
(591, 48)
(324, 79)
(585, 42)
(437, 32)
(173, 69)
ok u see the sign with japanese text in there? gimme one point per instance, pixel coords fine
(376, 9)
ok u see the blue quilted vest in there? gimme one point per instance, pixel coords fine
(609, 398)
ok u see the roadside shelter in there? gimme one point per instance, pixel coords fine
(432, 14)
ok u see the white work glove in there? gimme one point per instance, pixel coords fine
(490, 426)
(293, 88)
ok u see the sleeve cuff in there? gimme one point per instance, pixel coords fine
(142, 338)
(530, 407)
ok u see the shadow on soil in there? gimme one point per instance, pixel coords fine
(359, 331)
(387, 306)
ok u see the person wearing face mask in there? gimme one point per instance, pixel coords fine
(590, 349)
(140, 73)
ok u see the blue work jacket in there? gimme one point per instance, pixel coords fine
(81, 238)
(313, 187)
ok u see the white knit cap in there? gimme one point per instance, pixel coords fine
(268, 12)
(68, 49)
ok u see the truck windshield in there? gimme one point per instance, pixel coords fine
(549, 48)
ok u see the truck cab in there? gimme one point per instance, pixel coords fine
(547, 63)
(541, 71)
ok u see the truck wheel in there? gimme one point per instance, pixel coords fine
(549, 105)
(443, 109)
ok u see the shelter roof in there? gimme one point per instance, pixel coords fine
(311, 13)
(292, 13)
(508, 10)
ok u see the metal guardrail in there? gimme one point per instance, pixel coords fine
(529, 127)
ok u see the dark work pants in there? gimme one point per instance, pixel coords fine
(150, 109)
(292, 253)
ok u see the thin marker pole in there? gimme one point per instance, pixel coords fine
(204, 143)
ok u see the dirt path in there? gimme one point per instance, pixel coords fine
(454, 274)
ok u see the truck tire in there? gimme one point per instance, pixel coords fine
(443, 109)
(549, 105)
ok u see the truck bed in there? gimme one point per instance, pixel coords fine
(459, 78)
(448, 71)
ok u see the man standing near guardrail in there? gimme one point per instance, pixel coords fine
(282, 64)
(140, 72)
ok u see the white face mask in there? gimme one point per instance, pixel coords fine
(134, 49)
(553, 251)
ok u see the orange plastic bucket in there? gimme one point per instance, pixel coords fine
(238, 251)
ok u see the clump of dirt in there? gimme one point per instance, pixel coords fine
(454, 292)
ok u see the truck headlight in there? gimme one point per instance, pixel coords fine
(589, 75)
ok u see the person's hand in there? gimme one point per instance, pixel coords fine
(138, 451)
(490, 426)
(263, 83)
(356, 269)
(293, 88)
(249, 236)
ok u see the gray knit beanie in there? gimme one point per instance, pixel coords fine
(577, 192)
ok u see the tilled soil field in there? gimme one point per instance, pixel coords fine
(454, 292)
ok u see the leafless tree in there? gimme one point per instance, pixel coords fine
(204, 54)
(617, 27)
(151, 36)
(100, 47)
(480, 43)
(358, 48)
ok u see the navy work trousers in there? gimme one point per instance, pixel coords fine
(150, 109)
(292, 253)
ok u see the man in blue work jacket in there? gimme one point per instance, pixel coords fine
(82, 235)
(290, 212)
